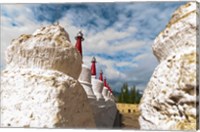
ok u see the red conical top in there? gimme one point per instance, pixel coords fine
(108, 86)
(101, 75)
(79, 38)
(105, 83)
(93, 67)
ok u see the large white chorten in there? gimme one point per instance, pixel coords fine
(39, 87)
(170, 100)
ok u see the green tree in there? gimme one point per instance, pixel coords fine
(125, 93)
(129, 96)
(123, 97)
(120, 97)
(138, 97)
(133, 95)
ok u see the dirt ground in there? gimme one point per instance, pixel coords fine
(130, 121)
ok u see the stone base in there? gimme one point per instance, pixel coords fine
(43, 98)
(104, 113)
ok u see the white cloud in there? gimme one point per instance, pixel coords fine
(141, 65)
(141, 57)
(122, 63)
(99, 42)
(106, 66)
(20, 15)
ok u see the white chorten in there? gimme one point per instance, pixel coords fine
(40, 86)
(97, 85)
(110, 93)
(105, 90)
(104, 112)
(170, 99)
(85, 76)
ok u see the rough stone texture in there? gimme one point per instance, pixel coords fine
(42, 98)
(39, 87)
(47, 48)
(104, 113)
(169, 101)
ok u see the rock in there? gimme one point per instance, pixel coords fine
(47, 48)
(40, 86)
(169, 101)
(43, 98)
(105, 114)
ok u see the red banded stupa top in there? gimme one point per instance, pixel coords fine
(93, 67)
(105, 83)
(79, 38)
(108, 86)
(101, 75)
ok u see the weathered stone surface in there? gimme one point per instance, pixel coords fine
(104, 113)
(169, 101)
(39, 87)
(47, 48)
(43, 98)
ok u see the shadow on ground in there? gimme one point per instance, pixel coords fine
(130, 121)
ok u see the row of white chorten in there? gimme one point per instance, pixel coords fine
(97, 89)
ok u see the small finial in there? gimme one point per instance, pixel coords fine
(93, 59)
(79, 34)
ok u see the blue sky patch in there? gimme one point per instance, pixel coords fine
(133, 25)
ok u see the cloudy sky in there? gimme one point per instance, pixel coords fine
(119, 35)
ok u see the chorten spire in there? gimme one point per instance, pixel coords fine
(101, 75)
(79, 38)
(105, 82)
(109, 88)
(93, 67)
